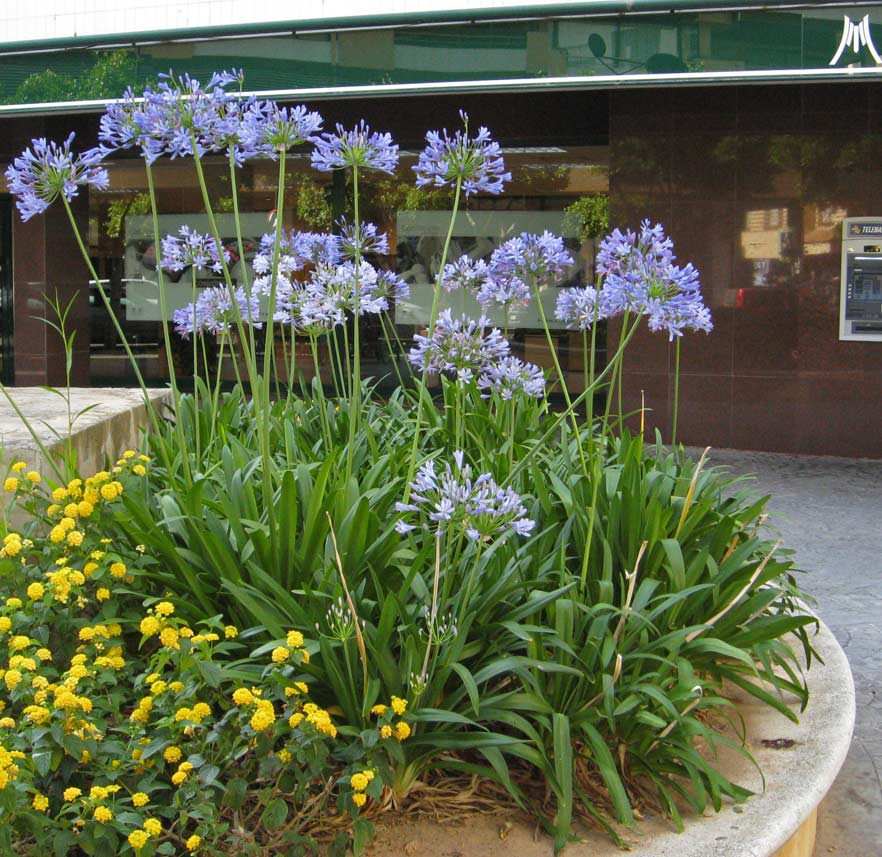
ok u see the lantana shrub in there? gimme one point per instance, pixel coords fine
(323, 598)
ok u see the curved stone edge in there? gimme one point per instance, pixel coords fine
(796, 779)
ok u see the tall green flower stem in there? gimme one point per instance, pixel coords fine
(589, 369)
(196, 374)
(234, 191)
(355, 393)
(615, 383)
(618, 380)
(433, 317)
(676, 392)
(166, 333)
(563, 381)
(260, 391)
(317, 383)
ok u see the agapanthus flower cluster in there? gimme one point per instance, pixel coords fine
(640, 276)
(476, 161)
(269, 129)
(192, 249)
(359, 147)
(124, 125)
(580, 308)
(47, 171)
(182, 117)
(361, 239)
(502, 292)
(297, 250)
(454, 500)
(465, 273)
(462, 346)
(511, 376)
(535, 259)
(215, 312)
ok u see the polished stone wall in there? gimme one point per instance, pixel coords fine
(752, 183)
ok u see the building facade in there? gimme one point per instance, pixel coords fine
(750, 131)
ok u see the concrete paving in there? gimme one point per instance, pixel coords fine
(830, 511)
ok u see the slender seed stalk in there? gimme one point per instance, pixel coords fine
(166, 333)
(433, 317)
(195, 372)
(676, 393)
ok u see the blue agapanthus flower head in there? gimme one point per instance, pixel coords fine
(215, 311)
(125, 124)
(454, 500)
(360, 239)
(49, 170)
(535, 259)
(465, 273)
(502, 292)
(476, 162)
(192, 249)
(462, 346)
(297, 250)
(640, 275)
(391, 286)
(510, 377)
(268, 128)
(358, 147)
(182, 117)
(580, 308)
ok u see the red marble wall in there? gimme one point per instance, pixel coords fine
(752, 184)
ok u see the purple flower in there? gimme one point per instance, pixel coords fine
(182, 117)
(476, 161)
(459, 346)
(502, 292)
(511, 376)
(361, 239)
(391, 286)
(125, 124)
(270, 129)
(464, 273)
(192, 249)
(580, 308)
(640, 276)
(359, 147)
(297, 250)
(534, 259)
(48, 170)
(215, 312)
(453, 499)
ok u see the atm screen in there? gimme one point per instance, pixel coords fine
(867, 286)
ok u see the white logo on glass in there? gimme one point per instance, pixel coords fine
(856, 36)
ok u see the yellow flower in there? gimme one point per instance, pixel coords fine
(71, 510)
(84, 509)
(71, 794)
(40, 802)
(176, 686)
(150, 625)
(129, 453)
(280, 654)
(102, 594)
(172, 754)
(359, 799)
(399, 706)
(75, 538)
(5, 624)
(193, 842)
(359, 782)
(264, 716)
(140, 799)
(386, 731)
(369, 775)
(378, 709)
(402, 730)
(295, 639)
(67, 523)
(110, 491)
(178, 777)
(44, 654)
(8, 722)
(57, 534)
(11, 484)
(90, 568)
(18, 467)
(14, 603)
(297, 688)
(59, 494)
(295, 720)
(139, 470)
(118, 569)
(201, 710)
(102, 814)
(231, 632)
(284, 756)
(138, 839)
(186, 767)
(36, 591)
(169, 638)
(164, 608)
(153, 826)
(12, 679)
(33, 477)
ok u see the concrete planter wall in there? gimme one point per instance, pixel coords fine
(779, 821)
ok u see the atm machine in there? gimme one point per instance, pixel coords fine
(860, 306)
